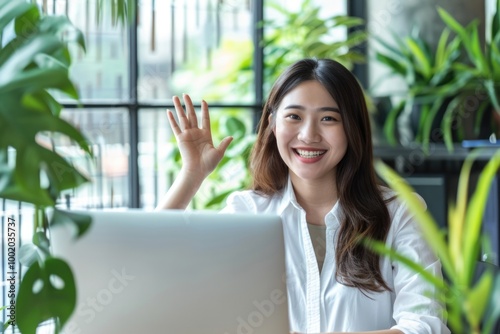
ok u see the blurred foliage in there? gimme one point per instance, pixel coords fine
(429, 77)
(472, 304)
(442, 85)
(483, 69)
(293, 35)
(34, 63)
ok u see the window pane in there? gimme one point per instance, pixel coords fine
(298, 29)
(107, 130)
(100, 73)
(200, 47)
(159, 161)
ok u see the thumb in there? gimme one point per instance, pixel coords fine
(224, 144)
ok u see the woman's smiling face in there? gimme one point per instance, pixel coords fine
(309, 132)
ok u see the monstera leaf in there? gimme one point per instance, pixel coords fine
(34, 60)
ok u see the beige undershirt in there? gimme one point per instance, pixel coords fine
(318, 238)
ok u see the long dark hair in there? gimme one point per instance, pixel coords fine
(365, 211)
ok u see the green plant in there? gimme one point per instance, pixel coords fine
(482, 68)
(293, 35)
(34, 62)
(472, 307)
(429, 77)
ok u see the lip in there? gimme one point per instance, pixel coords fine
(308, 160)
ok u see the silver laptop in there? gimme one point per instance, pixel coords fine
(177, 272)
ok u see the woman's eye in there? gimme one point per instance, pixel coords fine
(293, 116)
(330, 119)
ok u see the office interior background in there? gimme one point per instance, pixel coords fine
(212, 50)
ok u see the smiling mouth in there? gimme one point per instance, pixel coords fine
(309, 154)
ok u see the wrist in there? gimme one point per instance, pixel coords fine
(194, 179)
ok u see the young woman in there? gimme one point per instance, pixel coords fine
(312, 164)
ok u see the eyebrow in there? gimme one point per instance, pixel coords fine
(296, 106)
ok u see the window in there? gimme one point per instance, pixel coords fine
(127, 76)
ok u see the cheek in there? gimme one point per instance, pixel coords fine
(281, 134)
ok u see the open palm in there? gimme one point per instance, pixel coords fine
(199, 155)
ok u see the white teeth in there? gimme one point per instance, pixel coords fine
(310, 154)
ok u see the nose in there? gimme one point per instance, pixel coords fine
(309, 133)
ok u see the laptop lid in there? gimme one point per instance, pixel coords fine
(177, 272)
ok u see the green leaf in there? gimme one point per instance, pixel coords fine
(446, 123)
(62, 27)
(61, 173)
(495, 22)
(398, 67)
(25, 55)
(450, 21)
(347, 21)
(45, 293)
(22, 184)
(493, 312)
(476, 53)
(441, 48)
(37, 79)
(475, 303)
(421, 57)
(495, 57)
(390, 123)
(82, 222)
(42, 101)
(26, 24)
(232, 126)
(9, 10)
(475, 213)
(427, 224)
(240, 149)
(427, 123)
(382, 248)
(218, 199)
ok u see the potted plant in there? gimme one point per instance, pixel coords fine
(482, 66)
(430, 84)
(34, 61)
(445, 83)
(473, 306)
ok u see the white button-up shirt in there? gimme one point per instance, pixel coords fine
(318, 303)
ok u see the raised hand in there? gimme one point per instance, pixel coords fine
(199, 155)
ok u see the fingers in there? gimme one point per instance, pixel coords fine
(224, 144)
(188, 118)
(191, 114)
(173, 124)
(183, 121)
(205, 116)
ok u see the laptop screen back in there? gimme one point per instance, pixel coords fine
(177, 272)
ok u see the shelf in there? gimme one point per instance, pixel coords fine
(437, 152)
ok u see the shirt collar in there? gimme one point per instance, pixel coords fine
(288, 198)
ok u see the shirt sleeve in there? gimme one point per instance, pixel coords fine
(417, 308)
(238, 201)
